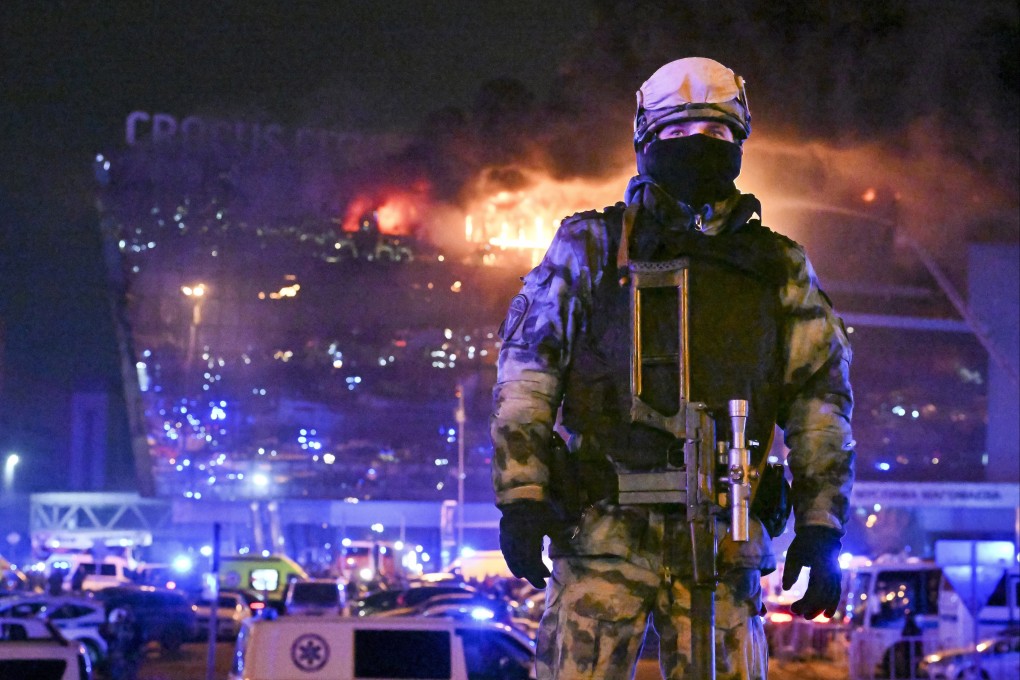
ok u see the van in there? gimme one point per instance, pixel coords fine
(350, 648)
(111, 571)
(900, 610)
(316, 597)
(892, 611)
(269, 576)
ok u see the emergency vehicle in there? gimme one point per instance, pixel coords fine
(349, 648)
(269, 576)
(901, 610)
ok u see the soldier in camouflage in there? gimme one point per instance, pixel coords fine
(761, 330)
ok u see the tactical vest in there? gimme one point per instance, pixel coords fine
(736, 335)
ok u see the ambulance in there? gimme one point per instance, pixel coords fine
(399, 648)
(268, 575)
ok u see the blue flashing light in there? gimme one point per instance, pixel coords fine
(482, 614)
(884, 467)
(182, 564)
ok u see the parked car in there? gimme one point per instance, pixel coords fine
(527, 607)
(998, 659)
(344, 648)
(233, 610)
(382, 600)
(464, 609)
(77, 618)
(461, 606)
(165, 616)
(33, 648)
(316, 597)
(255, 602)
(13, 581)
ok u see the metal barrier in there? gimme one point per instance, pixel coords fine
(875, 656)
(800, 640)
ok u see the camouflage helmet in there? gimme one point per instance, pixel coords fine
(694, 88)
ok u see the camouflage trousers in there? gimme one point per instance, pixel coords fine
(599, 607)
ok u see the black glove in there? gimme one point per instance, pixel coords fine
(521, 531)
(818, 549)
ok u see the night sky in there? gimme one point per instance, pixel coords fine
(905, 76)
(72, 71)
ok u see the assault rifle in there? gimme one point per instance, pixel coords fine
(698, 483)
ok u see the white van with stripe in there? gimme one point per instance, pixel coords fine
(398, 648)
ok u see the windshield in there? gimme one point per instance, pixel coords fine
(224, 602)
(902, 593)
(265, 579)
(316, 593)
(857, 598)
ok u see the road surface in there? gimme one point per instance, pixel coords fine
(190, 664)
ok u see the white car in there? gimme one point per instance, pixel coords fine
(232, 612)
(77, 618)
(316, 597)
(999, 659)
(32, 648)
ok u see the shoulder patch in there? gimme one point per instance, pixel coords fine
(518, 308)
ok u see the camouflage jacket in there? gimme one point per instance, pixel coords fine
(553, 306)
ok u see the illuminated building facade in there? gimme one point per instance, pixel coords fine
(300, 336)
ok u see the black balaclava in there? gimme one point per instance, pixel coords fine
(695, 170)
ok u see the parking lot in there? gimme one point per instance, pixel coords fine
(190, 664)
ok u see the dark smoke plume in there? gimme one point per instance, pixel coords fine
(920, 100)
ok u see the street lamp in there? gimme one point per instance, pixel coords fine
(196, 294)
(12, 462)
(461, 418)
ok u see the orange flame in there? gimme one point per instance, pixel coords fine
(526, 219)
(398, 211)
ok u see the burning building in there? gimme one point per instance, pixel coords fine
(347, 279)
